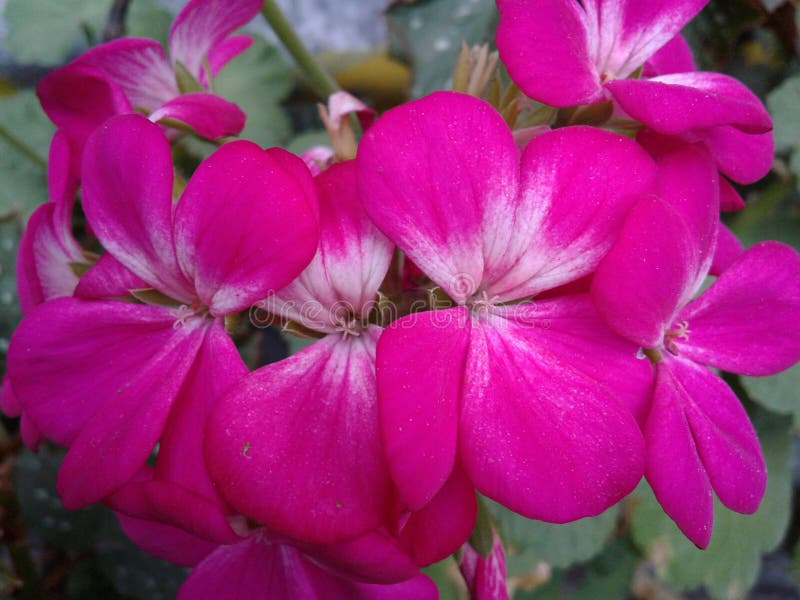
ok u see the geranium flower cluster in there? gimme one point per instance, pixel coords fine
(513, 313)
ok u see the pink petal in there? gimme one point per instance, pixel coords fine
(173, 505)
(337, 478)
(165, 541)
(419, 420)
(208, 115)
(317, 159)
(9, 403)
(43, 260)
(108, 279)
(743, 157)
(674, 57)
(138, 66)
(127, 197)
(555, 233)
(31, 436)
(729, 198)
(342, 104)
(683, 102)
(653, 262)
(438, 529)
(698, 433)
(748, 322)
(375, 557)
(623, 35)
(435, 214)
(202, 25)
(544, 44)
(110, 414)
(217, 368)
(62, 185)
(523, 400)
(250, 568)
(674, 468)
(350, 264)
(235, 262)
(225, 51)
(78, 99)
(485, 576)
(729, 248)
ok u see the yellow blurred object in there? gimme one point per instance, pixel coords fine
(374, 75)
(6, 87)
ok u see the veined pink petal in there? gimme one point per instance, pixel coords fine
(523, 400)
(748, 321)
(221, 54)
(729, 248)
(110, 414)
(336, 480)
(485, 576)
(435, 214)
(688, 180)
(127, 196)
(375, 557)
(232, 261)
(683, 102)
(317, 159)
(698, 433)
(544, 44)
(62, 185)
(349, 266)
(439, 528)
(674, 57)
(138, 66)
(208, 115)
(169, 503)
(43, 260)
(420, 370)
(655, 262)
(622, 35)
(729, 198)
(674, 469)
(78, 99)
(341, 104)
(743, 157)
(202, 25)
(553, 233)
(165, 541)
(257, 569)
(108, 279)
(217, 367)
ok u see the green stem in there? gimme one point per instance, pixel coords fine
(22, 147)
(319, 78)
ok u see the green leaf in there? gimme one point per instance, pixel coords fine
(784, 106)
(147, 19)
(530, 542)
(607, 576)
(47, 31)
(428, 35)
(10, 232)
(780, 393)
(730, 565)
(258, 81)
(24, 179)
(448, 579)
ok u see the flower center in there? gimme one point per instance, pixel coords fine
(184, 313)
(672, 335)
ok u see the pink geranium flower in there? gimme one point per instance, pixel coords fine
(698, 436)
(296, 446)
(527, 398)
(107, 378)
(135, 75)
(566, 53)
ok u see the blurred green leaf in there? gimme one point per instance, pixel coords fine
(784, 105)
(730, 565)
(10, 232)
(46, 31)
(428, 35)
(560, 545)
(50, 31)
(606, 576)
(780, 393)
(93, 532)
(714, 33)
(258, 81)
(24, 180)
